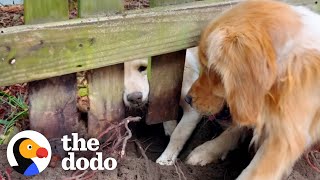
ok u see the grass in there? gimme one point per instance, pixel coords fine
(15, 109)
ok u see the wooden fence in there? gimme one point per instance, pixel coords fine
(50, 49)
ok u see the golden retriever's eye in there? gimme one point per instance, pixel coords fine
(142, 68)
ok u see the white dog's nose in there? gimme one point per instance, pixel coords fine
(135, 97)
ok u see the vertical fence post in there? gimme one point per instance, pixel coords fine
(165, 87)
(166, 80)
(53, 109)
(105, 84)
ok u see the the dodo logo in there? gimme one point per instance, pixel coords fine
(29, 153)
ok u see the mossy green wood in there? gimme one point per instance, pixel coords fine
(105, 84)
(155, 3)
(88, 8)
(52, 101)
(41, 11)
(36, 52)
(54, 49)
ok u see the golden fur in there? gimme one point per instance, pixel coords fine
(259, 59)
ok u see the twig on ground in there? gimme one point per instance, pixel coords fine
(176, 167)
(143, 153)
(124, 144)
(184, 177)
(314, 164)
(112, 144)
(7, 173)
(179, 171)
(126, 120)
(315, 159)
(77, 175)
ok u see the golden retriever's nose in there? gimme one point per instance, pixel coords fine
(135, 97)
(188, 99)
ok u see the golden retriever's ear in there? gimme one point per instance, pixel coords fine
(246, 63)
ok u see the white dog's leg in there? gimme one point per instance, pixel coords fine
(211, 151)
(169, 127)
(180, 135)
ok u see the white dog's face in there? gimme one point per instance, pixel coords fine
(136, 85)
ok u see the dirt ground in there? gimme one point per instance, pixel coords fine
(134, 166)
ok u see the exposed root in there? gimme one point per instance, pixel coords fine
(142, 151)
(80, 175)
(6, 175)
(116, 139)
(179, 171)
(125, 140)
(311, 160)
(176, 167)
(151, 174)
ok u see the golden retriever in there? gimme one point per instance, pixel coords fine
(262, 58)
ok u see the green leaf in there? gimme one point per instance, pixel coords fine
(4, 122)
(83, 92)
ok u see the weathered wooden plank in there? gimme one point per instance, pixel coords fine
(165, 87)
(166, 81)
(105, 84)
(89, 8)
(40, 51)
(52, 101)
(155, 3)
(40, 11)
(105, 94)
(56, 49)
(53, 109)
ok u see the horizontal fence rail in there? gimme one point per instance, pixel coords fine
(35, 52)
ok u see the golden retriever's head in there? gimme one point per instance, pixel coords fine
(239, 64)
(207, 93)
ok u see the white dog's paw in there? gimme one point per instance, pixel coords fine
(201, 156)
(166, 160)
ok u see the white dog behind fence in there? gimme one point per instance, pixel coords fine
(136, 95)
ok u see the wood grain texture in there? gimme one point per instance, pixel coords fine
(52, 101)
(105, 84)
(105, 94)
(155, 3)
(48, 50)
(90, 8)
(165, 87)
(53, 109)
(54, 49)
(42, 11)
